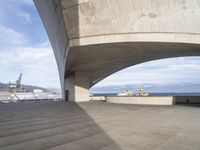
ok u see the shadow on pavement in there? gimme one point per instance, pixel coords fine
(189, 105)
(50, 125)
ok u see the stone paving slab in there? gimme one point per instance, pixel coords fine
(98, 126)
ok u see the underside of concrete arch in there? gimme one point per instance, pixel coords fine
(93, 39)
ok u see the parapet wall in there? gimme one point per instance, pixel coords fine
(149, 100)
(97, 98)
(161, 100)
(188, 99)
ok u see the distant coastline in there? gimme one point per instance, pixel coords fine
(152, 94)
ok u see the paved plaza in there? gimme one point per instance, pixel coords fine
(98, 126)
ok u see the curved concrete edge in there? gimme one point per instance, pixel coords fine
(149, 100)
(191, 38)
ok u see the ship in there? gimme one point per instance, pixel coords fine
(126, 93)
(142, 92)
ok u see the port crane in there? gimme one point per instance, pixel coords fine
(18, 83)
(15, 87)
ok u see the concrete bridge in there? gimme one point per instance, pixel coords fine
(93, 39)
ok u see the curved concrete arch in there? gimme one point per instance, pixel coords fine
(113, 57)
(92, 39)
(137, 37)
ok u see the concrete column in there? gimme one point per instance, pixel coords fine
(77, 87)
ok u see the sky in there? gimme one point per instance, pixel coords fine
(25, 48)
(178, 70)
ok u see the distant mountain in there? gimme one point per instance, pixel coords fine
(56, 90)
(151, 88)
(28, 88)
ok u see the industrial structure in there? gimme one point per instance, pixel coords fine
(16, 86)
(14, 92)
(93, 39)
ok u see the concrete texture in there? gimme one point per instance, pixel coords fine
(98, 126)
(78, 82)
(141, 100)
(101, 37)
(187, 99)
(97, 98)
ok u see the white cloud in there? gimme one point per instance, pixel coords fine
(37, 65)
(10, 38)
(11, 11)
(165, 71)
(26, 2)
(17, 53)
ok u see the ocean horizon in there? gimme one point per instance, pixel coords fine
(152, 94)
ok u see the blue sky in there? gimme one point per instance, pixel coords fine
(25, 48)
(165, 71)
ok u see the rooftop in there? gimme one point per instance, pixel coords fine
(98, 125)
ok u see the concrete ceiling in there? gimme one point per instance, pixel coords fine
(102, 60)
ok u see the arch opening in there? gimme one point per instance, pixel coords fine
(177, 75)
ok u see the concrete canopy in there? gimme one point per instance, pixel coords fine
(92, 39)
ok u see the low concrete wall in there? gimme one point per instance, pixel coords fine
(188, 99)
(97, 98)
(149, 100)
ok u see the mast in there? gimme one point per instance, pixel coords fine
(18, 83)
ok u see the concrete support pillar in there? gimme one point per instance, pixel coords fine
(77, 87)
